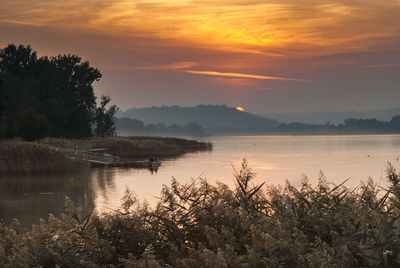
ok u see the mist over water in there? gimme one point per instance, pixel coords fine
(274, 159)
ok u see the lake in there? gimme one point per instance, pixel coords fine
(274, 159)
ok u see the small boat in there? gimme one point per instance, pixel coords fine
(152, 163)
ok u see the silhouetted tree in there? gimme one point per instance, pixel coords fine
(49, 96)
(104, 119)
(16, 69)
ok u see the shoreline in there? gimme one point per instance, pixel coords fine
(301, 134)
(46, 156)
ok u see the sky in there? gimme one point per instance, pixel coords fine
(268, 56)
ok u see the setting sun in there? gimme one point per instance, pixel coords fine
(240, 109)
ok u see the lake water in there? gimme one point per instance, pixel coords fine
(274, 159)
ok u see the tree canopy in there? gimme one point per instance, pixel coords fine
(48, 96)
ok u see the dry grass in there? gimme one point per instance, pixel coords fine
(43, 157)
(134, 147)
(203, 225)
(26, 158)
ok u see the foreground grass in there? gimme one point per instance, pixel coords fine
(203, 225)
(134, 147)
(29, 158)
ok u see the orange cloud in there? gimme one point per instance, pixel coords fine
(167, 67)
(241, 75)
(273, 28)
(173, 66)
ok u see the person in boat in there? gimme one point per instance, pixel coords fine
(153, 159)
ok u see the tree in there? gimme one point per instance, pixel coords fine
(33, 126)
(74, 81)
(16, 65)
(57, 90)
(104, 119)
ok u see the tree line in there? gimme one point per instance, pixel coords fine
(50, 96)
(128, 126)
(350, 125)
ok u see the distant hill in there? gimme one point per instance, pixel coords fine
(214, 118)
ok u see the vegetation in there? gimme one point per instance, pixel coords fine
(104, 121)
(203, 225)
(350, 126)
(133, 147)
(42, 96)
(127, 126)
(27, 158)
(47, 157)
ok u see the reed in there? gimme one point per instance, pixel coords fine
(46, 157)
(204, 225)
(30, 158)
(134, 147)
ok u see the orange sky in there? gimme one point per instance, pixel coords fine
(279, 43)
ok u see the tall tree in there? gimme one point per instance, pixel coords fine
(74, 81)
(104, 119)
(45, 96)
(16, 69)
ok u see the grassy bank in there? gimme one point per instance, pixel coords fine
(29, 158)
(134, 147)
(203, 225)
(44, 156)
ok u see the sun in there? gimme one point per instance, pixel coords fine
(241, 109)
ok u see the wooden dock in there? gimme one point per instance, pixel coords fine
(134, 164)
(99, 158)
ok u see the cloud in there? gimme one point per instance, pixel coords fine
(173, 66)
(275, 28)
(242, 75)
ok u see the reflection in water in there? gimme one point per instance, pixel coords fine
(273, 158)
(31, 198)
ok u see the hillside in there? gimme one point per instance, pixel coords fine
(214, 118)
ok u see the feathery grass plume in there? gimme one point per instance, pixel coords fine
(204, 225)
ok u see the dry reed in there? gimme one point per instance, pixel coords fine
(134, 147)
(203, 225)
(28, 158)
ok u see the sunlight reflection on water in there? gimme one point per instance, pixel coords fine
(274, 159)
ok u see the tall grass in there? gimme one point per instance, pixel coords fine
(25, 158)
(134, 147)
(204, 225)
(44, 157)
